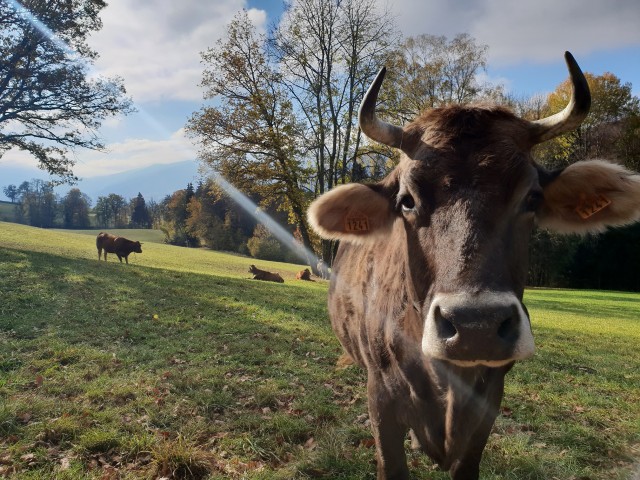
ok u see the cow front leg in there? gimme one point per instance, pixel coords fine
(388, 434)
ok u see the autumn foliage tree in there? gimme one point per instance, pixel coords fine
(608, 131)
(251, 136)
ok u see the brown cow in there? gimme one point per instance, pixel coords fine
(304, 275)
(427, 285)
(121, 246)
(264, 275)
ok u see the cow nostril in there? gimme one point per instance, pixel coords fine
(446, 329)
(508, 329)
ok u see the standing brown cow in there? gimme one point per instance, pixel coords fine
(427, 285)
(121, 246)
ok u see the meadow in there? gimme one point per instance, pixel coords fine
(179, 366)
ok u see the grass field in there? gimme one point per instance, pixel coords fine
(179, 366)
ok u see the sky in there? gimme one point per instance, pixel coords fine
(155, 47)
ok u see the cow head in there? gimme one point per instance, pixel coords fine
(462, 203)
(137, 247)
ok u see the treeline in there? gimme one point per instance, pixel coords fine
(36, 204)
(201, 216)
(206, 216)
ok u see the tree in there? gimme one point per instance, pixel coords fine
(155, 212)
(265, 246)
(38, 203)
(75, 208)
(607, 131)
(140, 216)
(430, 71)
(251, 136)
(175, 226)
(11, 192)
(328, 51)
(103, 212)
(48, 102)
(111, 211)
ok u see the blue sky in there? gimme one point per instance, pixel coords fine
(155, 47)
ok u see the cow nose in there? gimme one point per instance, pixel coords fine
(483, 328)
(498, 321)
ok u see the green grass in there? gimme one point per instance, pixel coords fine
(179, 366)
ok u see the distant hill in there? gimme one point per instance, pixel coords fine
(154, 182)
(7, 212)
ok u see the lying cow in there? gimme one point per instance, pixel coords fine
(121, 246)
(264, 275)
(304, 275)
(427, 284)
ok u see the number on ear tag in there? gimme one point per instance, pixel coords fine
(592, 205)
(359, 223)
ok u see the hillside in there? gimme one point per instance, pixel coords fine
(180, 366)
(7, 212)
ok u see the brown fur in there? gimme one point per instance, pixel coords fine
(304, 275)
(264, 275)
(121, 246)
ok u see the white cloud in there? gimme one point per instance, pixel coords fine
(155, 45)
(119, 157)
(518, 31)
(135, 153)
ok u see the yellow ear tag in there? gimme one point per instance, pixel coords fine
(592, 205)
(356, 222)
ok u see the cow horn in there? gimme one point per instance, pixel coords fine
(573, 114)
(370, 124)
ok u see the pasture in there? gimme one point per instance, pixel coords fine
(179, 366)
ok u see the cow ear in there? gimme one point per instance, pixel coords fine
(353, 212)
(590, 196)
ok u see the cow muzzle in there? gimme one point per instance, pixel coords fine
(488, 328)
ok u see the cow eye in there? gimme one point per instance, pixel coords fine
(407, 203)
(533, 201)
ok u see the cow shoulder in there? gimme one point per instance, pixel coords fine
(589, 196)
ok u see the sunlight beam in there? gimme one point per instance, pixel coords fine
(281, 234)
